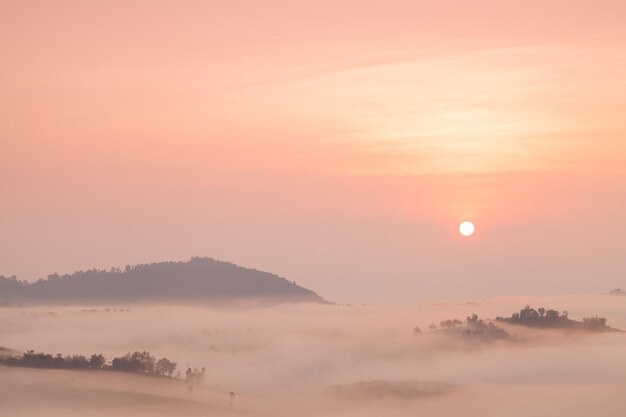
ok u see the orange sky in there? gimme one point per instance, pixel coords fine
(337, 143)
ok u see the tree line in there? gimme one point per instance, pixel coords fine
(136, 362)
(542, 317)
(472, 327)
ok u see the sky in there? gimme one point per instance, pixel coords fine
(336, 143)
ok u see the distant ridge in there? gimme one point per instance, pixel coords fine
(197, 280)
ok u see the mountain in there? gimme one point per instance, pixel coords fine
(198, 280)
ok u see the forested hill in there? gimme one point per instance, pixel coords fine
(197, 280)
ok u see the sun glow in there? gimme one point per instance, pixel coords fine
(467, 228)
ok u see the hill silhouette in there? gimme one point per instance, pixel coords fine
(197, 280)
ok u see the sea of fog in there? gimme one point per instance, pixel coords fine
(320, 360)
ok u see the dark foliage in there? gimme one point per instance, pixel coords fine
(475, 327)
(165, 367)
(447, 324)
(594, 322)
(543, 318)
(136, 362)
(97, 361)
(195, 375)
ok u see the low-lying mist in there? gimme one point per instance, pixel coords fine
(320, 360)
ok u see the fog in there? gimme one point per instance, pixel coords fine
(320, 360)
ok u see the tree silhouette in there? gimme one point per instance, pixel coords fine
(164, 367)
(446, 324)
(594, 323)
(136, 362)
(97, 361)
(549, 318)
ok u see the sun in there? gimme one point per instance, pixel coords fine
(467, 228)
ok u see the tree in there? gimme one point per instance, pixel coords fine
(76, 362)
(542, 311)
(145, 361)
(450, 323)
(136, 362)
(139, 362)
(59, 361)
(164, 367)
(528, 313)
(195, 375)
(552, 314)
(594, 322)
(97, 361)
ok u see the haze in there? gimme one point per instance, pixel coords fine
(253, 208)
(291, 359)
(339, 144)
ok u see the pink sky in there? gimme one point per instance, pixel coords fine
(336, 143)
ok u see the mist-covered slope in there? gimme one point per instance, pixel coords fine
(197, 280)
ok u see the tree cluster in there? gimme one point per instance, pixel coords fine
(477, 327)
(195, 374)
(136, 362)
(549, 318)
(448, 324)
(473, 327)
(594, 323)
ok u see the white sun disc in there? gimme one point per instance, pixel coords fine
(467, 228)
